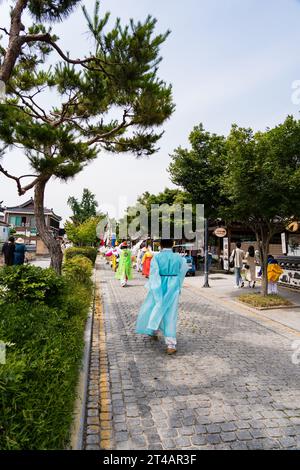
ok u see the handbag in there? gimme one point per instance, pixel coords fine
(231, 263)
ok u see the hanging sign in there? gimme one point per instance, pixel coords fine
(220, 232)
(293, 227)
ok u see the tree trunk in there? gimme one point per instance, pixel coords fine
(51, 243)
(15, 41)
(263, 240)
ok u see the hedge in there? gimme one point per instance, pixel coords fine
(87, 251)
(79, 268)
(45, 345)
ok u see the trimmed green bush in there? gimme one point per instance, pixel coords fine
(38, 381)
(79, 268)
(87, 251)
(30, 283)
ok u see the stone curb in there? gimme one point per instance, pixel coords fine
(267, 308)
(78, 425)
(98, 429)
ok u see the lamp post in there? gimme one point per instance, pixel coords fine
(206, 283)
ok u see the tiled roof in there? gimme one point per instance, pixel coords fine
(28, 207)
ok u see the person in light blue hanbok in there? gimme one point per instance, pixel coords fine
(160, 310)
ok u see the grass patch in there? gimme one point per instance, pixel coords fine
(257, 300)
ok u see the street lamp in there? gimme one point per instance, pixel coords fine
(206, 283)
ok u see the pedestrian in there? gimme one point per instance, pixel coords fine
(159, 312)
(146, 262)
(8, 249)
(236, 261)
(19, 253)
(124, 271)
(250, 266)
(274, 272)
(139, 258)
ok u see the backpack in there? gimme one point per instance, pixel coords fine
(231, 263)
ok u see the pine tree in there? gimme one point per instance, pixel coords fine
(60, 140)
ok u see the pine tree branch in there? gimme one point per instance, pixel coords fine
(32, 106)
(104, 137)
(5, 31)
(23, 110)
(46, 37)
(15, 178)
(21, 189)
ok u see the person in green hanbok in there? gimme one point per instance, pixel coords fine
(124, 272)
(159, 311)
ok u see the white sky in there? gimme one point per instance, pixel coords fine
(228, 61)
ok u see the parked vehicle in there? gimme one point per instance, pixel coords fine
(191, 265)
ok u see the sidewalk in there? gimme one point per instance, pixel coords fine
(233, 383)
(221, 289)
(41, 262)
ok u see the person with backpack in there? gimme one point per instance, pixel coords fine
(236, 262)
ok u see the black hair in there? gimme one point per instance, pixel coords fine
(166, 243)
(11, 239)
(238, 244)
(251, 251)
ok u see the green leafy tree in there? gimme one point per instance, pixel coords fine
(199, 170)
(84, 209)
(59, 140)
(262, 181)
(83, 234)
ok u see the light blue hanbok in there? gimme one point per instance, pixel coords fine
(160, 309)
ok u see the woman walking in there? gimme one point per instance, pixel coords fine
(250, 266)
(19, 253)
(8, 251)
(124, 271)
(146, 262)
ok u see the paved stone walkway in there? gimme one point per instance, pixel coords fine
(232, 384)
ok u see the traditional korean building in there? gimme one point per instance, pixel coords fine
(22, 219)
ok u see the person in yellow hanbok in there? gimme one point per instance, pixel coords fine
(274, 273)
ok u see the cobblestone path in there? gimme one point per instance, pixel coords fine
(231, 385)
